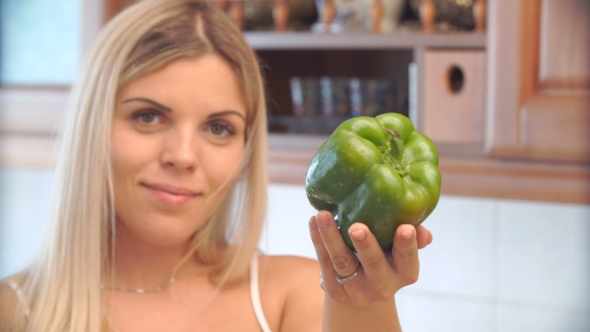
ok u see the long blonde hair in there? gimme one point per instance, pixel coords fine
(63, 286)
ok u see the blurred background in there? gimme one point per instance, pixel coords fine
(502, 88)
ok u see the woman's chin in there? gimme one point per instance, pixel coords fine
(160, 232)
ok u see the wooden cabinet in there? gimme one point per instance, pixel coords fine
(526, 135)
(453, 96)
(539, 80)
(360, 55)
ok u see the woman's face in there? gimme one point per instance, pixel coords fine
(177, 144)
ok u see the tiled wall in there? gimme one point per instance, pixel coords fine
(494, 265)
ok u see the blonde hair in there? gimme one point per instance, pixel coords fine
(63, 286)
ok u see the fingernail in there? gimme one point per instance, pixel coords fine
(312, 224)
(323, 222)
(407, 235)
(358, 235)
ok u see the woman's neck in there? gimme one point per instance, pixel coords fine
(136, 263)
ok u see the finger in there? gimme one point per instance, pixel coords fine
(423, 236)
(328, 272)
(321, 252)
(368, 250)
(405, 254)
(343, 259)
(375, 265)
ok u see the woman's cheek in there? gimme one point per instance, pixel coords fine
(130, 149)
(226, 168)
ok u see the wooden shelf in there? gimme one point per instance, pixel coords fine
(361, 41)
(479, 176)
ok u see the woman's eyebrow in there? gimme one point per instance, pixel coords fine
(156, 104)
(222, 113)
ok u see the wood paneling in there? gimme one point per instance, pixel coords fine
(565, 45)
(555, 127)
(447, 116)
(113, 7)
(530, 30)
(503, 98)
(539, 96)
(539, 181)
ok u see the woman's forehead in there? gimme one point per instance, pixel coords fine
(207, 80)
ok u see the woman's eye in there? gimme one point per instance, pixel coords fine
(148, 117)
(220, 129)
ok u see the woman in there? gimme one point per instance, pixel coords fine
(161, 199)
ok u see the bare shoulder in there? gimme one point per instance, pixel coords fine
(296, 281)
(289, 267)
(289, 273)
(9, 301)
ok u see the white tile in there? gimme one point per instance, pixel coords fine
(287, 230)
(544, 254)
(427, 314)
(461, 259)
(519, 319)
(25, 197)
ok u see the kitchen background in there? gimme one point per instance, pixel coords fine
(495, 264)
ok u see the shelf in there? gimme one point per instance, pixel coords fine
(479, 176)
(357, 41)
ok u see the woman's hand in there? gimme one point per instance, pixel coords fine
(378, 276)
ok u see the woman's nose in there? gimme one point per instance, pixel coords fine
(181, 151)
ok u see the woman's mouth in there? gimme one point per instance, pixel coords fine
(170, 195)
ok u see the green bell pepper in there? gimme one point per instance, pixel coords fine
(378, 171)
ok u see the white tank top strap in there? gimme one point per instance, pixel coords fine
(21, 297)
(255, 295)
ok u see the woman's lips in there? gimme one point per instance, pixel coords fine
(170, 195)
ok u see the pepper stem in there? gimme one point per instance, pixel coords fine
(397, 145)
(393, 153)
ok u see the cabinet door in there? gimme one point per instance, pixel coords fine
(539, 80)
(453, 97)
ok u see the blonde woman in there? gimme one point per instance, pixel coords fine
(162, 195)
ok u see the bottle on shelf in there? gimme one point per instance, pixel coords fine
(427, 14)
(479, 14)
(280, 13)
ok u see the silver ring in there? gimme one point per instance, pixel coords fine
(342, 280)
